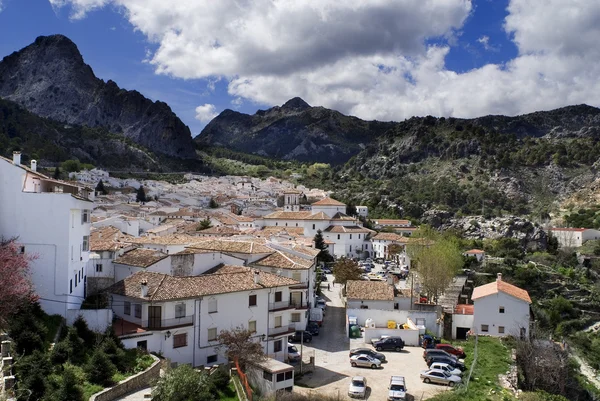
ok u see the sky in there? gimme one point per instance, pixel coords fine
(375, 59)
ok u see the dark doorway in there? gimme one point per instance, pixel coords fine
(461, 333)
(143, 345)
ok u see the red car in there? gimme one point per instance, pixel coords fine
(458, 351)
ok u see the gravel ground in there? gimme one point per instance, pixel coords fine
(333, 372)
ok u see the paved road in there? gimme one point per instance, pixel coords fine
(136, 396)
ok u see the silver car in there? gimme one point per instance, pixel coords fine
(439, 376)
(446, 368)
(358, 387)
(365, 361)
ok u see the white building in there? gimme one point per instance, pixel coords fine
(181, 317)
(106, 245)
(362, 211)
(501, 309)
(291, 200)
(381, 243)
(475, 253)
(574, 237)
(51, 219)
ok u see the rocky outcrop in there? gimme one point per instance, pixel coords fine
(294, 131)
(51, 79)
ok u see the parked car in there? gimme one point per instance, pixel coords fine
(439, 376)
(456, 351)
(313, 328)
(390, 343)
(446, 367)
(326, 270)
(365, 361)
(321, 304)
(299, 335)
(367, 351)
(434, 351)
(369, 260)
(293, 354)
(358, 387)
(397, 389)
(443, 359)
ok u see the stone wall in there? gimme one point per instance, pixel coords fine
(182, 265)
(133, 383)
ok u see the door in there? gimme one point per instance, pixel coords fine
(296, 299)
(154, 313)
(143, 345)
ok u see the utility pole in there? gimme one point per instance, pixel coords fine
(301, 349)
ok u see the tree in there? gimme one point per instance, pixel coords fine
(213, 204)
(141, 194)
(71, 166)
(346, 269)
(184, 383)
(204, 224)
(351, 209)
(83, 331)
(32, 371)
(15, 284)
(100, 188)
(99, 369)
(56, 174)
(69, 389)
(395, 249)
(324, 255)
(238, 344)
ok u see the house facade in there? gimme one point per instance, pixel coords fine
(574, 237)
(501, 309)
(475, 253)
(52, 220)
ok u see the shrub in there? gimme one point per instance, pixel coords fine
(220, 378)
(60, 353)
(76, 347)
(32, 371)
(83, 331)
(100, 369)
(68, 387)
(182, 384)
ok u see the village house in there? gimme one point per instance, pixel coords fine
(181, 317)
(501, 309)
(573, 237)
(403, 227)
(381, 243)
(52, 220)
(475, 253)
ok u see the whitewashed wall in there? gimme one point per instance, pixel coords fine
(97, 320)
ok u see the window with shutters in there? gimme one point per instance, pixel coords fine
(212, 306)
(500, 329)
(296, 317)
(252, 300)
(485, 328)
(180, 310)
(180, 340)
(277, 321)
(278, 296)
(127, 308)
(297, 276)
(212, 334)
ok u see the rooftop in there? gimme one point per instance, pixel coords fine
(141, 257)
(347, 229)
(500, 286)
(328, 202)
(475, 251)
(569, 229)
(223, 245)
(108, 238)
(369, 290)
(284, 260)
(390, 237)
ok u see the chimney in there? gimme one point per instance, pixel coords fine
(144, 285)
(499, 278)
(256, 277)
(17, 158)
(34, 165)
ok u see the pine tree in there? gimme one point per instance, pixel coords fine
(100, 188)
(324, 255)
(141, 194)
(100, 369)
(56, 175)
(69, 389)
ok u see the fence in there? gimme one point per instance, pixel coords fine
(244, 379)
(473, 363)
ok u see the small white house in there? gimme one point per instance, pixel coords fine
(362, 211)
(271, 376)
(574, 237)
(501, 309)
(475, 253)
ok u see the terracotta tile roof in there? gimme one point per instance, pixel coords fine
(369, 290)
(158, 213)
(223, 245)
(141, 257)
(108, 238)
(569, 229)
(392, 222)
(403, 293)
(163, 287)
(390, 237)
(328, 202)
(476, 251)
(292, 231)
(281, 215)
(219, 230)
(343, 217)
(171, 239)
(463, 309)
(308, 251)
(500, 286)
(347, 229)
(284, 260)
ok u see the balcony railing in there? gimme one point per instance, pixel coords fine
(273, 306)
(284, 329)
(158, 324)
(299, 304)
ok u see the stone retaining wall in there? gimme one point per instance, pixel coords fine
(133, 383)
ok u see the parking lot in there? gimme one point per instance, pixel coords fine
(333, 372)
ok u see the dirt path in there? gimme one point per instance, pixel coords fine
(587, 371)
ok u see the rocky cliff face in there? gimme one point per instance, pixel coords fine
(294, 131)
(50, 79)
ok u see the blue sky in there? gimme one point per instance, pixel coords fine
(463, 47)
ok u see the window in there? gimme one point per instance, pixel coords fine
(350, 248)
(212, 306)
(289, 375)
(313, 226)
(295, 317)
(86, 243)
(484, 328)
(137, 310)
(278, 296)
(75, 280)
(252, 326)
(98, 267)
(268, 376)
(127, 308)
(71, 286)
(22, 250)
(338, 236)
(500, 329)
(277, 321)
(280, 377)
(212, 334)
(252, 300)
(364, 307)
(212, 359)
(180, 340)
(277, 347)
(85, 216)
(501, 309)
(179, 310)
(350, 236)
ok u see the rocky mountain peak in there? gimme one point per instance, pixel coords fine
(296, 103)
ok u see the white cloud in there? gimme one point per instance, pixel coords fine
(485, 41)
(370, 58)
(206, 112)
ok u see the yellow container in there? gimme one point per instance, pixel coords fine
(391, 324)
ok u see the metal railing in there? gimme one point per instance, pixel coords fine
(154, 324)
(300, 304)
(286, 328)
(279, 305)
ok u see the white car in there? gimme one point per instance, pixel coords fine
(364, 361)
(321, 304)
(293, 354)
(358, 387)
(445, 367)
(440, 377)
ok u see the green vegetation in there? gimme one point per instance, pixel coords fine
(585, 218)
(184, 383)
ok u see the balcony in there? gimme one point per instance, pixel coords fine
(161, 324)
(299, 304)
(301, 286)
(284, 329)
(281, 305)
